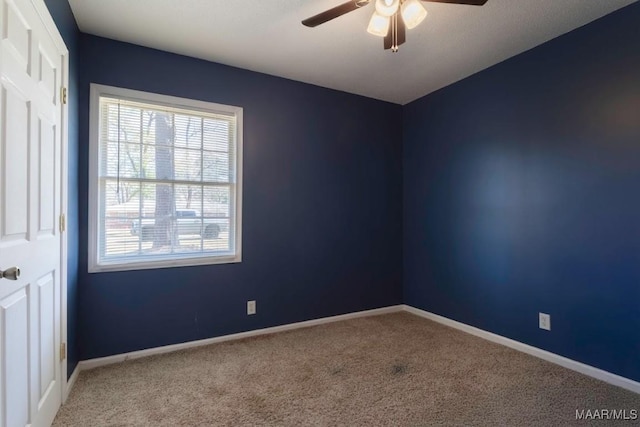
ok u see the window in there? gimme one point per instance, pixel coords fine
(165, 181)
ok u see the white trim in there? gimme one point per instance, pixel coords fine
(239, 143)
(103, 361)
(94, 144)
(151, 264)
(582, 368)
(64, 208)
(52, 29)
(50, 25)
(588, 370)
(70, 384)
(141, 263)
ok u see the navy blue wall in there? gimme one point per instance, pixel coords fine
(521, 194)
(63, 17)
(322, 213)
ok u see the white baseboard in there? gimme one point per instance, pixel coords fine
(103, 361)
(588, 370)
(70, 383)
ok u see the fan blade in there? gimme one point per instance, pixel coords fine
(401, 30)
(469, 2)
(334, 13)
(388, 40)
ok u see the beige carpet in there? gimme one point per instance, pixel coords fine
(391, 370)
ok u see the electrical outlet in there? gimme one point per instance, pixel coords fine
(251, 307)
(545, 321)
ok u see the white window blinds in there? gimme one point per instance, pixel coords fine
(167, 183)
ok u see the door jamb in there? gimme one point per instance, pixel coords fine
(52, 29)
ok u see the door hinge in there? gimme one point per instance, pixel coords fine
(63, 223)
(63, 351)
(63, 95)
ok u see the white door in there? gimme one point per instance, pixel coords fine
(30, 194)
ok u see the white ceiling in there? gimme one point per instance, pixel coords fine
(452, 43)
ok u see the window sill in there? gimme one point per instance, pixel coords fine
(159, 264)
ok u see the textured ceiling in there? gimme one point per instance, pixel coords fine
(452, 43)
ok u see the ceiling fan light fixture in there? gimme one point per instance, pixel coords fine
(387, 7)
(413, 13)
(390, 19)
(378, 25)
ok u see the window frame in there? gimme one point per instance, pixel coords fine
(94, 239)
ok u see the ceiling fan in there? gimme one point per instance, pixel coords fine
(390, 19)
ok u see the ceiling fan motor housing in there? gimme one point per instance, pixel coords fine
(394, 29)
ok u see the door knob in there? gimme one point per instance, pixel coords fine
(10, 273)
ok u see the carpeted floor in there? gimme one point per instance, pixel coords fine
(390, 370)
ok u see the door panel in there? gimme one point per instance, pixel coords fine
(46, 312)
(47, 74)
(47, 179)
(15, 163)
(16, 35)
(30, 194)
(15, 350)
